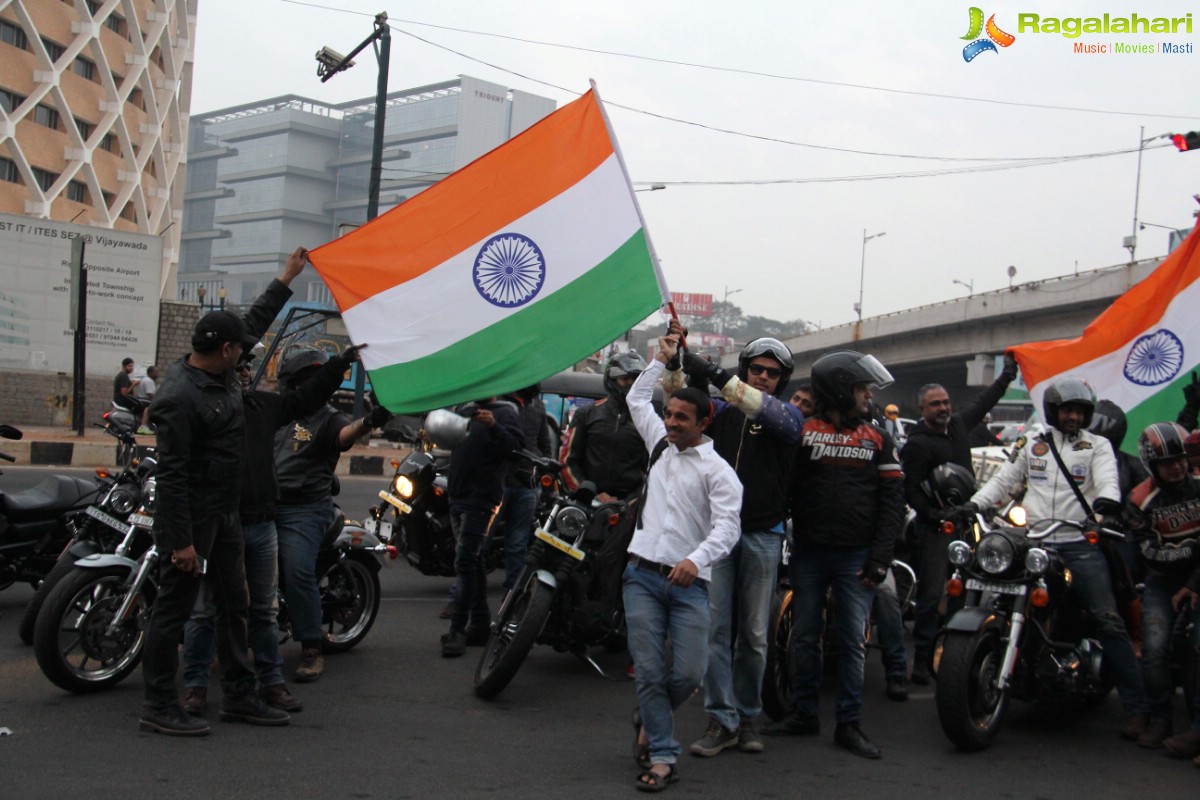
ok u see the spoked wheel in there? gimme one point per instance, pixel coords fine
(513, 634)
(777, 691)
(70, 638)
(970, 705)
(349, 602)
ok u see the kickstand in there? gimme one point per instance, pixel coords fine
(589, 660)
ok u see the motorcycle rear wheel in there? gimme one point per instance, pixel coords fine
(513, 637)
(970, 706)
(349, 602)
(777, 687)
(69, 638)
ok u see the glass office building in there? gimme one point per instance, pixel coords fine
(264, 178)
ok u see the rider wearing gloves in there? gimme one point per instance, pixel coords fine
(847, 503)
(1088, 471)
(757, 434)
(306, 453)
(1164, 515)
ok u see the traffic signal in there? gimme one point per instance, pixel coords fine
(1186, 141)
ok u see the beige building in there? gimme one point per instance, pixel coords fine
(94, 102)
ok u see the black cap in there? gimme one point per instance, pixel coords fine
(217, 327)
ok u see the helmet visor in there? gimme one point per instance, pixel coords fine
(877, 375)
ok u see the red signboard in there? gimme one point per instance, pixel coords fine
(692, 305)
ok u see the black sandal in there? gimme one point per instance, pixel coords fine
(641, 752)
(651, 781)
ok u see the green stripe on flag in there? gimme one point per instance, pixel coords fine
(1162, 406)
(533, 343)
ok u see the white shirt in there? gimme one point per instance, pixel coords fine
(145, 388)
(694, 498)
(1092, 465)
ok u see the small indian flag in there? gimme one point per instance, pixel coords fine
(517, 266)
(1140, 352)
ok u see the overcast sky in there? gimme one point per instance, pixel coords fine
(792, 251)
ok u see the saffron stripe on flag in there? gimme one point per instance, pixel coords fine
(482, 198)
(524, 348)
(572, 238)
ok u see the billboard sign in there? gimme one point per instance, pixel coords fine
(692, 305)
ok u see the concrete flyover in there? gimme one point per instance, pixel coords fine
(938, 342)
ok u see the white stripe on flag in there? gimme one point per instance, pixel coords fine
(575, 231)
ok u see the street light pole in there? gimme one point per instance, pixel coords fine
(970, 286)
(862, 269)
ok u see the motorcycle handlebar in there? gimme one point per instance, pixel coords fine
(7, 457)
(1057, 524)
(541, 461)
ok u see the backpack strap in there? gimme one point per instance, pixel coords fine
(655, 454)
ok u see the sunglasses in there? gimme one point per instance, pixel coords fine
(759, 369)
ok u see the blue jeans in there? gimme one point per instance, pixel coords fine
(814, 571)
(1158, 620)
(1092, 583)
(743, 583)
(654, 610)
(470, 601)
(301, 529)
(515, 524)
(889, 627)
(262, 580)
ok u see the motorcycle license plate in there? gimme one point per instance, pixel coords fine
(107, 519)
(142, 520)
(392, 500)
(995, 587)
(559, 544)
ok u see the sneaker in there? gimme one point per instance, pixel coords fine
(249, 707)
(748, 739)
(478, 635)
(1152, 738)
(454, 644)
(195, 700)
(1183, 745)
(171, 721)
(897, 688)
(920, 673)
(145, 431)
(312, 665)
(714, 740)
(278, 696)
(851, 737)
(794, 724)
(1135, 725)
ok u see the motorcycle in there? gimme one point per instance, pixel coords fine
(102, 525)
(34, 522)
(415, 514)
(1021, 633)
(558, 599)
(90, 632)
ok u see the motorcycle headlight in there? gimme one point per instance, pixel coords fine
(994, 554)
(959, 553)
(150, 495)
(403, 486)
(123, 500)
(570, 522)
(1016, 515)
(1037, 561)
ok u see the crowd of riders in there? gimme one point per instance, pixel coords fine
(825, 462)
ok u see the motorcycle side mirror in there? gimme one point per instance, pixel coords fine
(9, 432)
(1107, 506)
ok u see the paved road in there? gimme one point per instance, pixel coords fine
(391, 719)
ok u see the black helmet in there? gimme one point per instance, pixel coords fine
(1161, 441)
(835, 374)
(298, 362)
(1068, 390)
(949, 485)
(1108, 420)
(767, 346)
(619, 365)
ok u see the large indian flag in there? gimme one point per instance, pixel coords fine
(1140, 352)
(522, 263)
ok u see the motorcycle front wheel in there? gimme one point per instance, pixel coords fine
(62, 567)
(349, 602)
(969, 703)
(777, 691)
(70, 640)
(512, 636)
